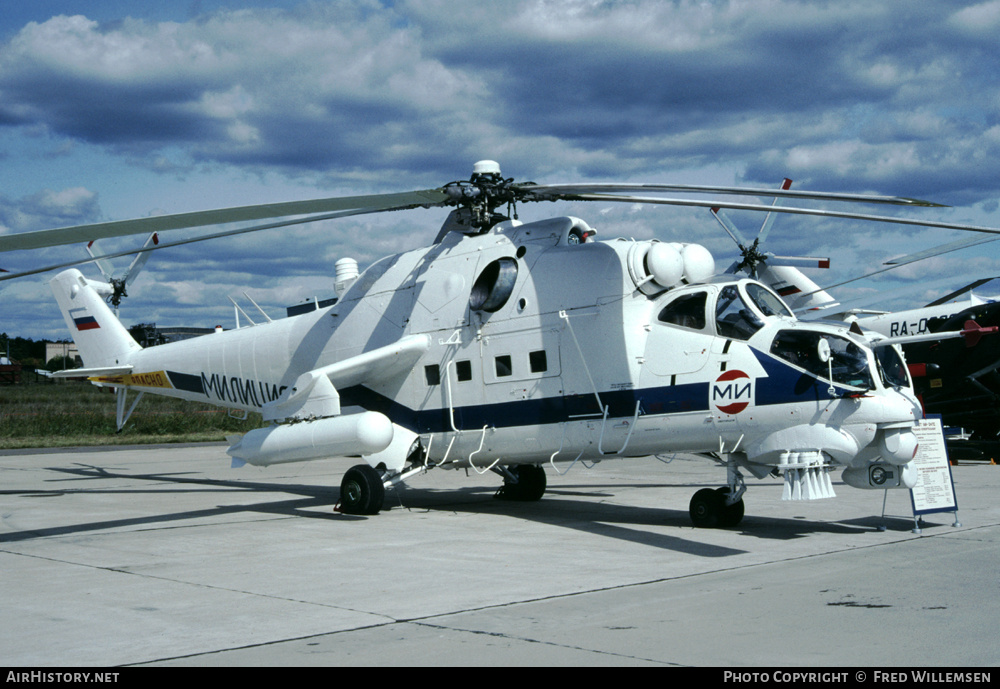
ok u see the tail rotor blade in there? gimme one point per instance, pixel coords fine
(101, 264)
(799, 261)
(765, 228)
(140, 259)
(730, 228)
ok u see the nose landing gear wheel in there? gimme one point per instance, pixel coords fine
(708, 509)
(530, 484)
(705, 508)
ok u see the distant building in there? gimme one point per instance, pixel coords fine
(67, 350)
(10, 373)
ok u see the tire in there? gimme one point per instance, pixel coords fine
(706, 508)
(530, 486)
(361, 491)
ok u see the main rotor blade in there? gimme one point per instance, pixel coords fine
(942, 249)
(85, 233)
(858, 304)
(959, 292)
(775, 209)
(900, 264)
(192, 240)
(545, 191)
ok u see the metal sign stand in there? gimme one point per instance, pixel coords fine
(935, 489)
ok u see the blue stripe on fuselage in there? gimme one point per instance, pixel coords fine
(663, 400)
(782, 384)
(785, 384)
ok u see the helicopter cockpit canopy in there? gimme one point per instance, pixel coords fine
(825, 355)
(741, 307)
(738, 308)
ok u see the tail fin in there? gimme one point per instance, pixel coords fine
(798, 291)
(100, 337)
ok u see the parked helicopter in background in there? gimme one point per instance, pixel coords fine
(506, 346)
(958, 379)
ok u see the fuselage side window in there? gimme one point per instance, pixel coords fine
(432, 374)
(504, 366)
(687, 311)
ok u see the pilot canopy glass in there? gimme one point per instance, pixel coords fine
(844, 362)
(739, 312)
(740, 309)
(891, 366)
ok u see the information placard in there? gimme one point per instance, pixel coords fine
(934, 490)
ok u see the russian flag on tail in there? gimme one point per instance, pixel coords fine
(83, 320)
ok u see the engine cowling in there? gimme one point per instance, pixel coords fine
(655, 266)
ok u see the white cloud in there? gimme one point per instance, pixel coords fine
(982, 20)
(351, 97)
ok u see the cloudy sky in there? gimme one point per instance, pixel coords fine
(118, 109)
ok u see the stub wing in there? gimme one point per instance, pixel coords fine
(310, 424)
(314, 394)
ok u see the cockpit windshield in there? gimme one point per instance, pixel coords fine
(892, 368)
(767, 301)
(733, 317)
(838, 360)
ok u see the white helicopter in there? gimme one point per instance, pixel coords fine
(509, 345)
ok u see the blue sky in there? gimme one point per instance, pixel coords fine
(112, 110)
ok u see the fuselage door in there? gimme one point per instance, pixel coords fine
(681, 336)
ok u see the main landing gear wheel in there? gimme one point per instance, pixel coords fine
(709, 509)
(362, 491)
(530, 485)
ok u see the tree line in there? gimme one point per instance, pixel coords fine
(30, 354)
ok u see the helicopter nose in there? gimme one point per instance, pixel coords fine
(901, 405)
(898, 445)
(897, 442)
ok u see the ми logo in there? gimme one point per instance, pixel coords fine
(732, 392)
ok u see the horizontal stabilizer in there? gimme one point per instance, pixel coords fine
(93, 372)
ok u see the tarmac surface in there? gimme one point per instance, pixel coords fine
(166, 556)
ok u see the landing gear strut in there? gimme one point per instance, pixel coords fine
(361, 491)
